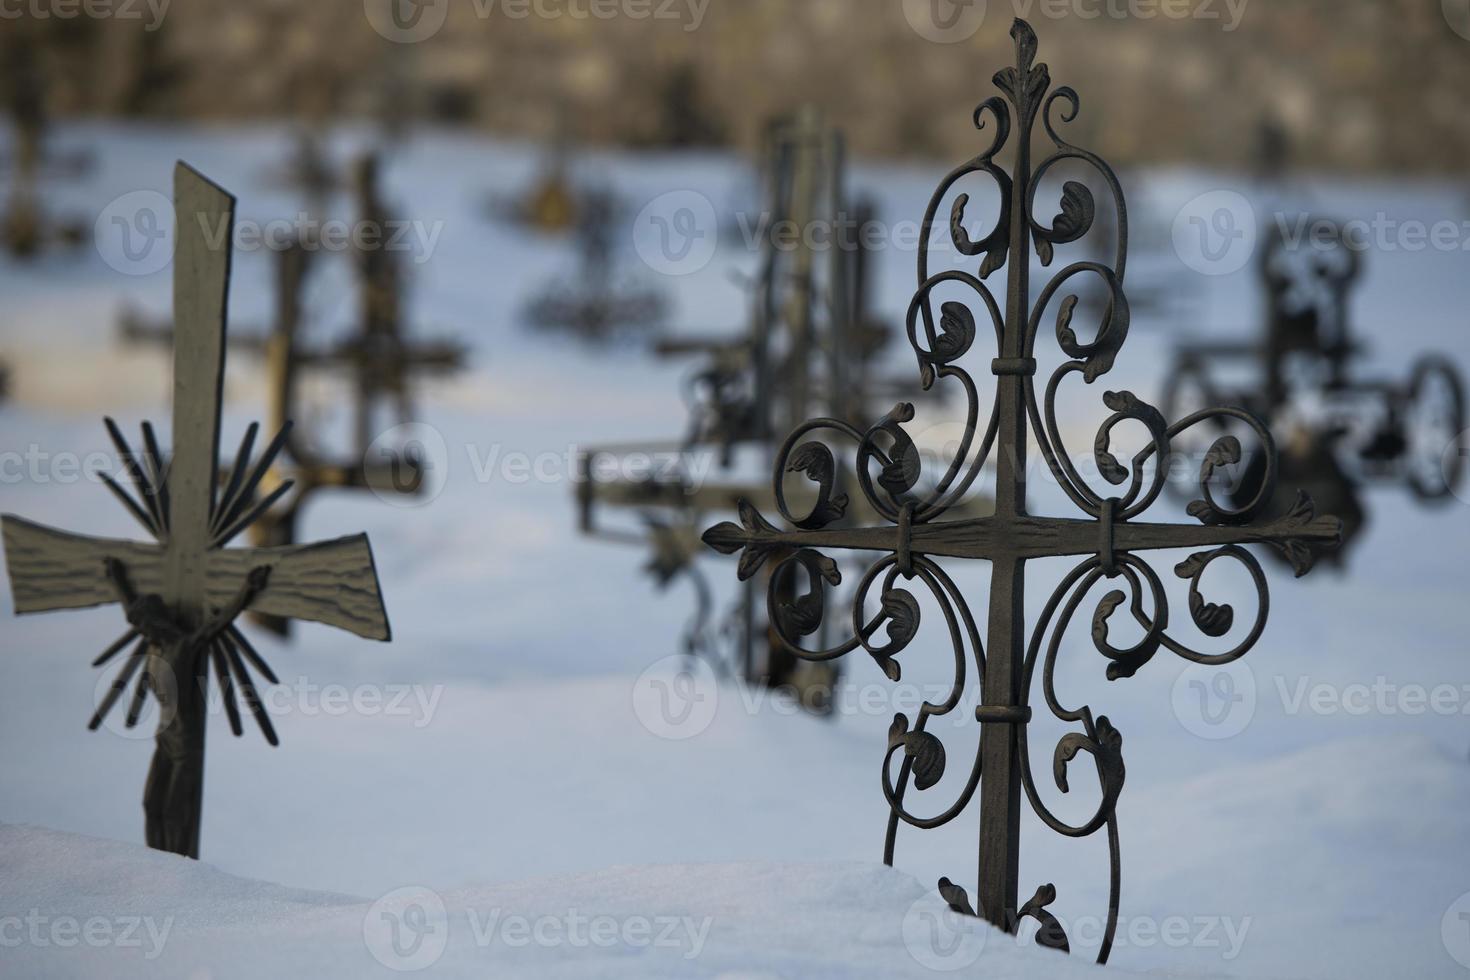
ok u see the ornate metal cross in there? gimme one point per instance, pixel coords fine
(809, 342)
(1107, 538)
(182, 592)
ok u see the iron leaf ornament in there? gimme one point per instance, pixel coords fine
(1106, 540)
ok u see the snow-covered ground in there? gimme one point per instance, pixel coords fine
(1309, 821)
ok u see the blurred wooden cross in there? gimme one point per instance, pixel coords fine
(182, 592)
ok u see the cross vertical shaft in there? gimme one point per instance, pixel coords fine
(1000, 787)
(205, 225)
(204, 216)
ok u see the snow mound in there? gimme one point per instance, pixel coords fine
(77, 906)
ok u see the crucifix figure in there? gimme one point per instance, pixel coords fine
(182, 592)
(1104, 543)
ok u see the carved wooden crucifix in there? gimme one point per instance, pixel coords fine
(1105, 541)
(182, 591)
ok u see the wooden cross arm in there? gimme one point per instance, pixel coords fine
(441, 356)
(332, 582)
(684, 346)
(51, 569)
(1021, 538)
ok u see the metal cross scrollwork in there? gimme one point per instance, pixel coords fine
(1107, 538)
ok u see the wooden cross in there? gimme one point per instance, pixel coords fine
(382, 361)
(1106, 540)
(24, 229)
(380, 354)
(305, 468)
(383, 364)
(182, 590)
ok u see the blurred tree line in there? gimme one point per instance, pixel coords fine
(1349, 85)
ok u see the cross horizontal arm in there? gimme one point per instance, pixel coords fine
(442, 356)
(1025, 537)
(333, 582)
(51, 569)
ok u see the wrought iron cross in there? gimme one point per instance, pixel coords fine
(182, 592)
(1107, 538)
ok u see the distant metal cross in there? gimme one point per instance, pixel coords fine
(182, 592)
(1106, 539)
